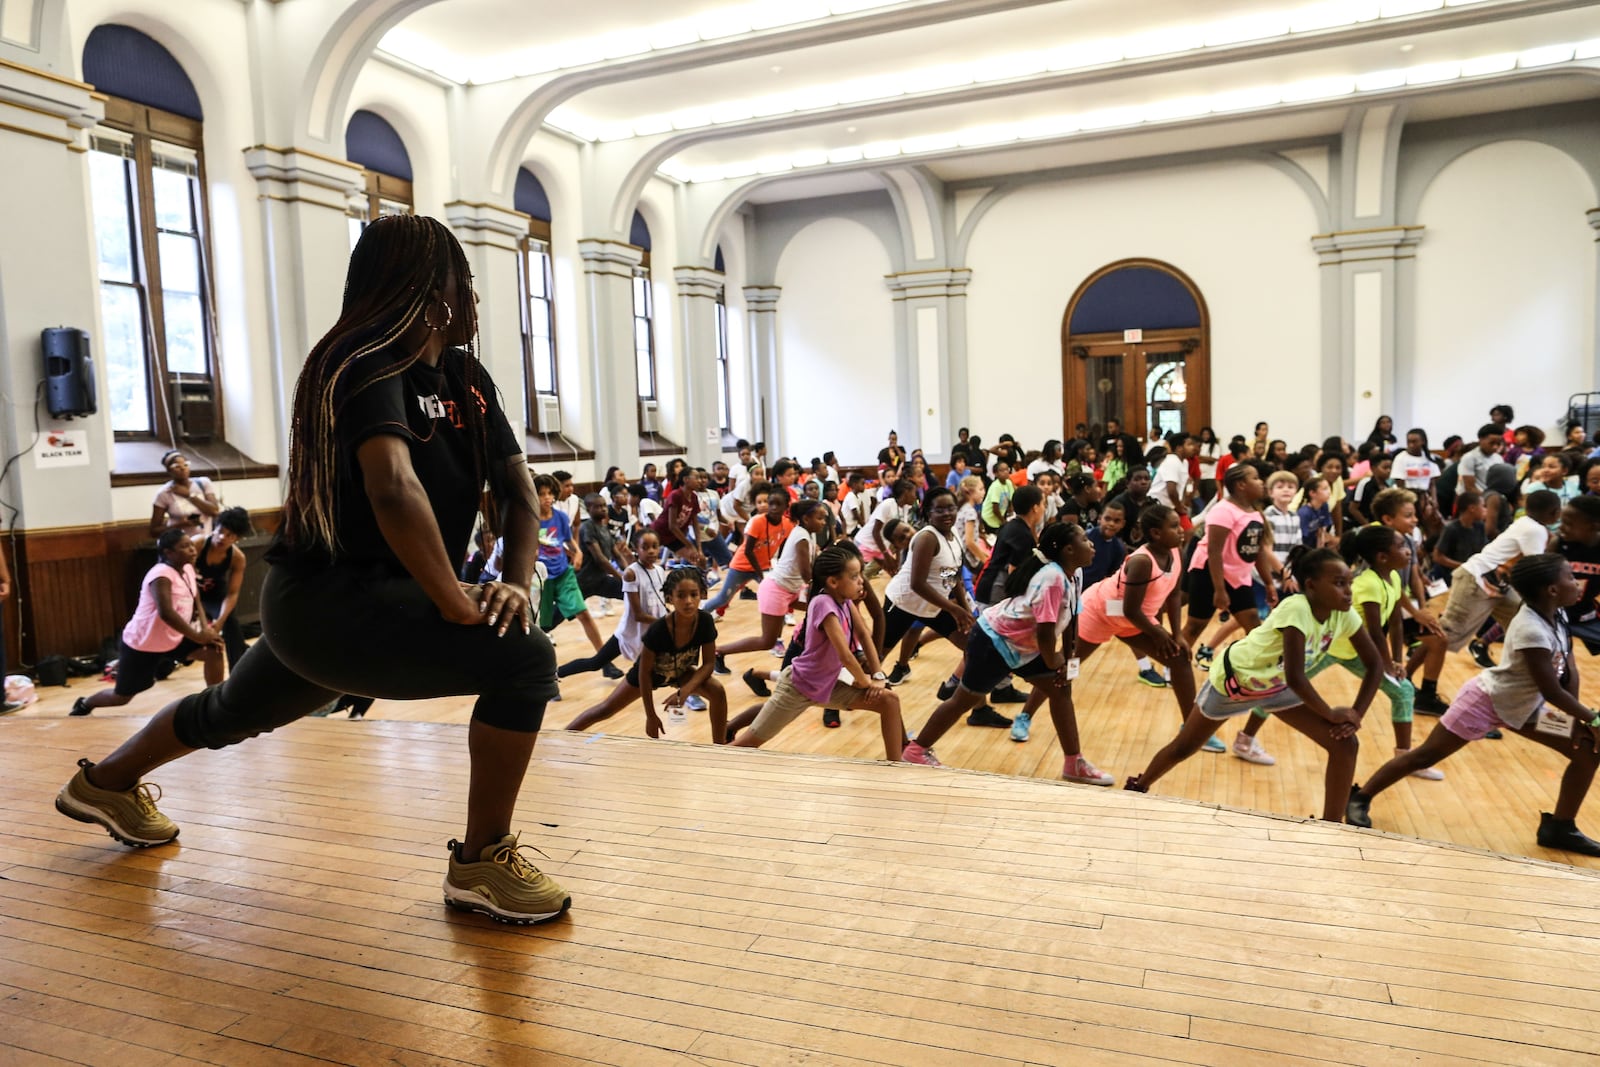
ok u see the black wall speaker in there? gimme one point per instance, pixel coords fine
(68, 373)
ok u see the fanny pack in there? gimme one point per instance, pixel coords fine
(1234, 691)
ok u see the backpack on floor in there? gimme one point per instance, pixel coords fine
(51, 670)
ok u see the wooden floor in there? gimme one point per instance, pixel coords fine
(757, 908)
(790, 906)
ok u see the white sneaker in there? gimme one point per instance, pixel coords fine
(1427, 774)
(1249, 749)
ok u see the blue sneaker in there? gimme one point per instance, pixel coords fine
(1214, 744)
(695, 702)
(1153, 678)
(1020, 725)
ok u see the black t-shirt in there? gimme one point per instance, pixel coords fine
(1011, 546)
(600, 536)
(1085, 515)
(1461, 542)
(1585, 560)
(675, 663)
(424, 407)
(1132, 533)
(213, 577)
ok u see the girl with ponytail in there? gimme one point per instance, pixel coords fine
(399, 448)
(1029, 634)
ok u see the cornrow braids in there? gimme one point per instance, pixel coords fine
(676, 576)
(1533, 573)
(397, 266)
(831, 562)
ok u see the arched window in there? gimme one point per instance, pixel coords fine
(147, 188)
(538, 305)
(370, 141)
(644, 331)
(724, 393)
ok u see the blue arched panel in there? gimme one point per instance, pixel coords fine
(121, 61)
(370, 141)
(530, 198)
(720, 265)
(1135, 298)
(639, 234)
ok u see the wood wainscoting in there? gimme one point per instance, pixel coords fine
(73, 587)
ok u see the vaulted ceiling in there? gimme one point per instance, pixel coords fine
(981, 87)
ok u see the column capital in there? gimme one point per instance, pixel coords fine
(40, 104)
(700, 282)
(299, 175)
(1359, 246)
(601, 255)
(761, 298)
(922, 284)
(487, 224)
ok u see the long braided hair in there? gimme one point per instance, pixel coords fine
(399, 269)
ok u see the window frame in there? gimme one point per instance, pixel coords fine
(378, 189)
(146, 124)
(725, 394)
(538, 234)
(642, 271)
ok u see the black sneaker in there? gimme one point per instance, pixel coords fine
(946, 691)
(757, 684)
(901, 672)
(1133, 785)
(830, 718)
(609, 670)
(80, 707)
(721, 667)
(1480, 654)
(1429, 704)
(1493, 735)
(1008, 694)
(1563, 834)
(984, 715)
(747, 594)
(1357, 807)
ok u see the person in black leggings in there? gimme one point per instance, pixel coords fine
(400, 445)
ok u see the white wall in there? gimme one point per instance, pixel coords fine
(835, 342)
(1505, 287)
(1241, 230)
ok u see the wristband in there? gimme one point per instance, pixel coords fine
(1594, 722)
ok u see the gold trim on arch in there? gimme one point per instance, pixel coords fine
(1369, 229)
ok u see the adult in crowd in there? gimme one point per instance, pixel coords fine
(187, 500)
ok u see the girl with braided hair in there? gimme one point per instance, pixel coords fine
(399, 447)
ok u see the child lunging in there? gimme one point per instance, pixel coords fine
(827, 671)
(1269, 669)
(1534, 691)
(679, 649)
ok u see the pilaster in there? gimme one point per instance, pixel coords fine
(614, 393)
(931, 314)
(1593, 215)
(491, 236)
(304, 197)
(698, 290)
(761, 311)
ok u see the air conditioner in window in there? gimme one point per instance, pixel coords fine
(548, 410)
(649, 417)
(194, 408)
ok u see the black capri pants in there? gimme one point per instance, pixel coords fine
(370, 632)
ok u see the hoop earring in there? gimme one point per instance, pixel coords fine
(449, 317)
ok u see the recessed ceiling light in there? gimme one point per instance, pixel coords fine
(777, 68)
(849, 129)
(1407, 47)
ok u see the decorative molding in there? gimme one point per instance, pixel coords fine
(493, 225)
(944, 282)
(6, 64)
(701, 282)
(601, 255)
(761, 299)
(289, 174)
(1368, 245)
(1593, 215)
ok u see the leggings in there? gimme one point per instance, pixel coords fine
(608, 652)
(732, 582)
(353, 629)
(1402, 694)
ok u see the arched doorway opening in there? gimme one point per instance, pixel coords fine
(1136, 347)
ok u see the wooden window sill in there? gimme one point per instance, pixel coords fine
(545, 447)
(138, 462)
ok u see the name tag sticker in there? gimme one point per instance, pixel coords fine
(1114, 608)
(1072, 669)
(1554, 722)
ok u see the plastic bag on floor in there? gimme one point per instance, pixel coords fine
(19, 689)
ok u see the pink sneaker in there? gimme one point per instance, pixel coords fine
(922, 757)
(1082, 771)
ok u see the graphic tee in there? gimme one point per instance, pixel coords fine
(1240, 550)
(1256, 660)
(675, 663)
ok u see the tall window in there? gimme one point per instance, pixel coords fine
(538, 312)
(724, 395)
(644, 333)
(370, 141)
(148, 195)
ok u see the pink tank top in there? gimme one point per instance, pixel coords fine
(1156, 590)
(146, 631)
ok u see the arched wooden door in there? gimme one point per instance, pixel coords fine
(1136, 347)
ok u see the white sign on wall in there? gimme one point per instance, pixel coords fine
(1132, 337)
(62, 448)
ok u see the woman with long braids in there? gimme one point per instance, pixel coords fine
(399, 443)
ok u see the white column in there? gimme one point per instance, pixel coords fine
(490, 236)
(934, 303)
(1593, 215)
(698, 289)
(614, 412)
(1363, 297)
(761, 309)
(304, 198)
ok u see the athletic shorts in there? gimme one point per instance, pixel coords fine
(1200, 590)
(658, 681)
(136, 671)
(774, 599)
(1219, 706)
(1097, 627)
(787, 703)
(897, 622)
(561, 594)
(987, 668)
